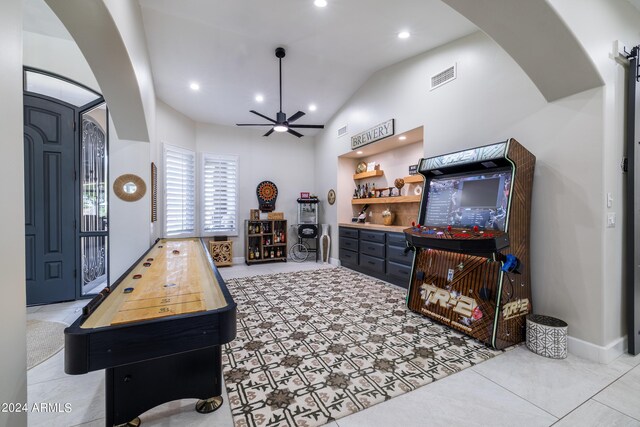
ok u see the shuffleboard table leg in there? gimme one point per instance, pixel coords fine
(209, 405)
(133, 423)
(133, 389)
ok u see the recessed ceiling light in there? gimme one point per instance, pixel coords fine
(194, 86)
(312, 107)
(404, 34)
(402, 138)
(259, 98)
(320, 3)
(358, 152)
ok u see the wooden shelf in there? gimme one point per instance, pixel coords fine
(397, 199)
(370, 174)
(413, 179)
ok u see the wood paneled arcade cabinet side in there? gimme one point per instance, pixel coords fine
(510, 327)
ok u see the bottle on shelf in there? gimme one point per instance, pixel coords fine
(272, 253)
(251, 254)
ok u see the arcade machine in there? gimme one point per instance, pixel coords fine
(471, 269)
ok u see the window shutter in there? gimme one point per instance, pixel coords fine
(220, 195)
(179, 186)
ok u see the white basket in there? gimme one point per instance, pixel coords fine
(547, 336)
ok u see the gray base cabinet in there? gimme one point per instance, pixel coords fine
(376, 253)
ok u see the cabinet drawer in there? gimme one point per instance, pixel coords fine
(375, 265)
(348, 257)
(373, 249)
(372, 236)
(399, 270)
(350, 244)
(396, 239)
(348, 232)
(396, 254)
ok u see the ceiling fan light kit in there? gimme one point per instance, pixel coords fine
(281, 124)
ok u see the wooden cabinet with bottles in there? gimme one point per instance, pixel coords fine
(265, 241)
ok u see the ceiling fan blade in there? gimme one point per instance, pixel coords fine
(262, 115)
(296, 116)
(307, 126)
(254, 124)
(293, 132)
(269, 132)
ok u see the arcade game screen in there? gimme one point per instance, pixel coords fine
(468, 200)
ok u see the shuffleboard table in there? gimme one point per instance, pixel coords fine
(157, 332)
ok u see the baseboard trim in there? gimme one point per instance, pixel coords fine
(238, 260)
(597, 353)
(334, 261)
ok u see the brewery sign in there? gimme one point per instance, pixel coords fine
(373, 134)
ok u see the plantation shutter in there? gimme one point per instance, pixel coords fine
(220, 195)
(180, 191)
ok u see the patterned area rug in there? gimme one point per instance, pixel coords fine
(314, 346)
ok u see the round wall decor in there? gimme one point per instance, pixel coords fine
(331, 196)
(267, 193)
(129, 187)
(418, 190)
(362, 167)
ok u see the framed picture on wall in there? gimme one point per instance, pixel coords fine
(304, 195)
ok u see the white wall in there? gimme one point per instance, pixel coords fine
(281, 158)
(597, 24)
(491, 100)
(13, 358)
(128, 18)
(129, 229)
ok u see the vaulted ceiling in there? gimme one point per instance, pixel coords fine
(227, 47)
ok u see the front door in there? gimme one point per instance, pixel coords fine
(49, 167)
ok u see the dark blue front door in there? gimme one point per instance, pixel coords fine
(49, 159)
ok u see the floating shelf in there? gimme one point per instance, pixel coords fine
(397, 199)
(369, 174)
(413, 179)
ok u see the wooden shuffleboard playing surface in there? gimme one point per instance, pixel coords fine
(173, 278)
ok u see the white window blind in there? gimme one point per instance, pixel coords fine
(219, 194)
(180, 191)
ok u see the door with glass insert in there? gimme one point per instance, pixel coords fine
(93, 195)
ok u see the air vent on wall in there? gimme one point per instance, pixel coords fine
(342, 131)
(443, 77)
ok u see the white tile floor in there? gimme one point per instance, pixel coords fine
(515, 388)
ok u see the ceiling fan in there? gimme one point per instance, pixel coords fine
(281, 124)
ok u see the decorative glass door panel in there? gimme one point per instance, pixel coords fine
(93, 196)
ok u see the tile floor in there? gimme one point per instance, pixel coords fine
(515, 388)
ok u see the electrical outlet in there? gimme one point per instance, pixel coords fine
(611, 220)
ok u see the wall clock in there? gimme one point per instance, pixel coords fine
(267, 193)
(331, 196)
